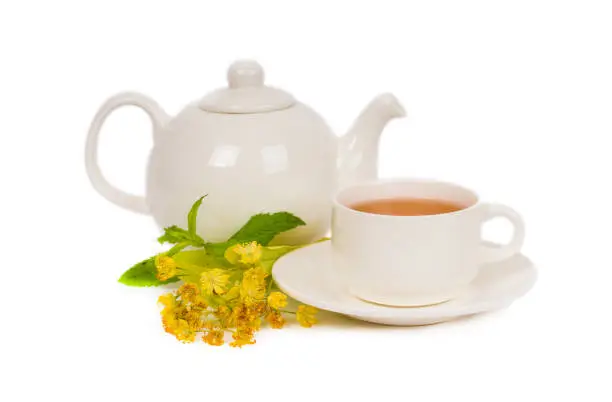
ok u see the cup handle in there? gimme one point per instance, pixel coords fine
(111, 193)
(502, 252)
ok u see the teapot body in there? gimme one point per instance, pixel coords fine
(248, 163)
(251, 148)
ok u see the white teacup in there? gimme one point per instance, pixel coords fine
(414, 260)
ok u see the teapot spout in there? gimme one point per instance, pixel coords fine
(358, 149)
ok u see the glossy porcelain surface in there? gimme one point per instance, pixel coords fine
(252, 148)
(309, 276)
(248, 163)
(246, 92)
(415, 260)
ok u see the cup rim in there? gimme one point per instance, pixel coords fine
(375, 182)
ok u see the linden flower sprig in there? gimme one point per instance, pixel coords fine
(234, 299)
(227, 289)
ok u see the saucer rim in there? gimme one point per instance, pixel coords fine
(407, 312)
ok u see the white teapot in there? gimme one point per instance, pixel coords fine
(250, 147)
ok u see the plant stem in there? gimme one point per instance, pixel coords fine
(176, 248)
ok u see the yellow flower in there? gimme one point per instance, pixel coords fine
(184, 332)
(258, 308)
(199, 303)
(245, 254)
(242, 337)
(223, 314)
(168, 301)
(232, 295)
(241, 316)
(253, 286)
(214, 337)
(245, 317)
(194, 320)
(255, 324)
(166, 267)
(188, 292)
(306, 316)
(275, 319)
(277, 300)
(214, 281)
(180, 318)
(178, 327)
(169, 324)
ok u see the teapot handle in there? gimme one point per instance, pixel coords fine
(158, 118)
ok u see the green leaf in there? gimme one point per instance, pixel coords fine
(193, 216)
(262, 228)
(143, 274)
(174, 235)
(257, 229)
(218, 249)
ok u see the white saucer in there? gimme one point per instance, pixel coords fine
(307, 275)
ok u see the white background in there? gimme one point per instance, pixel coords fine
(513, 98)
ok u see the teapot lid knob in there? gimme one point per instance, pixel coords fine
(245, 73)
(246, 92)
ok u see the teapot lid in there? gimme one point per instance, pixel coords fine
(246, 92)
